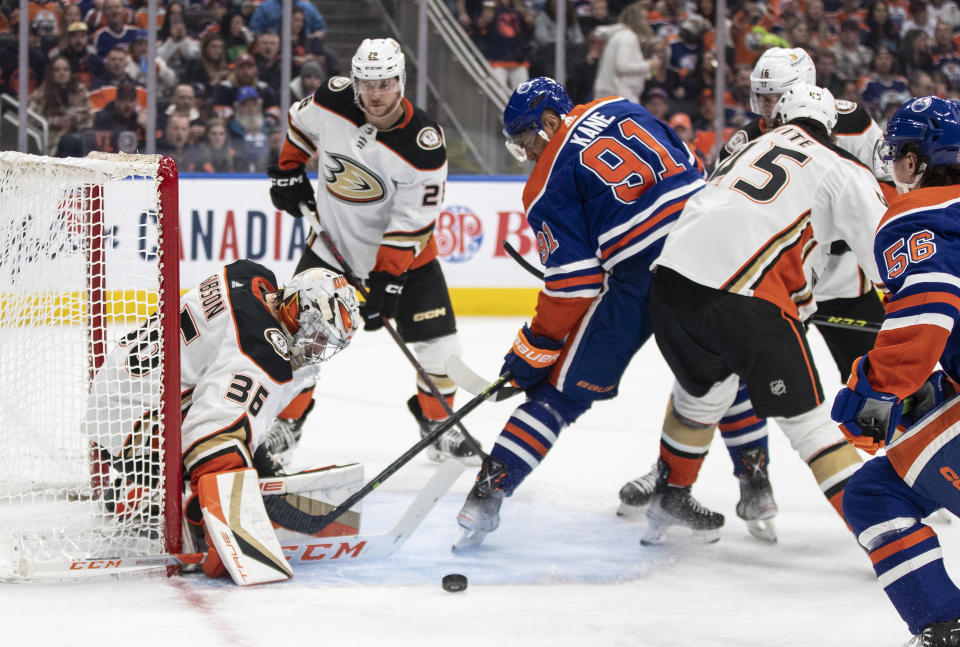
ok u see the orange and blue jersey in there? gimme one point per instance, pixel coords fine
(917, 248)
(601, 199)
(605, 191)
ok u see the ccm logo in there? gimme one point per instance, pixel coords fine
(393, 288)
(951, 476)
(430, 314)
(287, 181)
(95, 564)
(312, 552)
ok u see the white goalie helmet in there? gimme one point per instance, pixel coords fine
(319, 312)
(777, 69)
(378, 58)
(806, 101)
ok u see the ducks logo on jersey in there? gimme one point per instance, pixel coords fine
(350, 181)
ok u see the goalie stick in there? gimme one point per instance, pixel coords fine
(491, 389)
(344, 549)
(314, 220)
(845, 323)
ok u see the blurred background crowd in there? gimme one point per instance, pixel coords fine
(219, 76)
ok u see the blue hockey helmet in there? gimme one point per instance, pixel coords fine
(932, 123)
(524, 111)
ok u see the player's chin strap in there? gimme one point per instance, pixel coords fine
(846, 323)
(314, 220)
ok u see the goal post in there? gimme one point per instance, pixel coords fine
(89, 269)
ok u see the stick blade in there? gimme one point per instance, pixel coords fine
(472, 382)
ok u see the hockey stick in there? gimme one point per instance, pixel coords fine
(846, 323)
(314, 220)
(325, 520)
(472, 382)
(351, 548)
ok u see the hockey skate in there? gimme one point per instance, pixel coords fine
(756, 505)
(452, 444)
(938, 634)
(480, 514)
(676, 508)
(283, 437)
(636, 494)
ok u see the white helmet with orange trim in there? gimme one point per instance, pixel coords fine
(319, 312)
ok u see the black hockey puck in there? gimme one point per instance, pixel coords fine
(454, 582)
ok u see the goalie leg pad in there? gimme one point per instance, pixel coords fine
(239, 530)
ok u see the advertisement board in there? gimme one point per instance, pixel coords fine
(224, 218)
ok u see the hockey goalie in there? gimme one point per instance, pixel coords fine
(246, 348)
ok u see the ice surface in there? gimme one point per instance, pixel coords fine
(561, 570)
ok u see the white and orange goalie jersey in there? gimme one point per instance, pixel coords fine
(235, 375)
(761, 226)
(379, 192)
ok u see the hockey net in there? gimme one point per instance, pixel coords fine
(88, 251)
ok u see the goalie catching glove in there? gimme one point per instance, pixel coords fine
(290, 187)
(531, 359)
(383, 298)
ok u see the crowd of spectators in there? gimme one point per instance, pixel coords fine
(219, 79)
(218, 75)
(662, 52)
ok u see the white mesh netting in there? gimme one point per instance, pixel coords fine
(79, 269)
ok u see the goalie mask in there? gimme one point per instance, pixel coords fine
(806, 102)
(777, 70)
(319, 311)
(377, 59)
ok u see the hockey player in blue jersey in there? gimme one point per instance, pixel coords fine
(608, 185)
(896, 385)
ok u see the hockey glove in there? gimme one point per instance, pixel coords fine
(531, 358)
(383, 298)
(288, 188)
(928, 397)
(867, 418)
